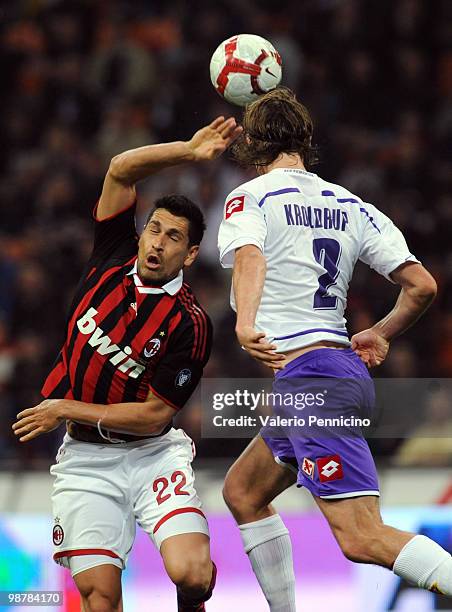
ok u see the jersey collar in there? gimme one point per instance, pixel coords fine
(171, 287)
(298, 171)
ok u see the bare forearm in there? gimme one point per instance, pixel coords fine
(138, 418)
(136, 164)
(248, 283)
(411, 304)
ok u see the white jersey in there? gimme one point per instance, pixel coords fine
(311, 233)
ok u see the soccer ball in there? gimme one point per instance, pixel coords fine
(244, 67)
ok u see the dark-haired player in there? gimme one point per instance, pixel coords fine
(136, 345)
(293, 240)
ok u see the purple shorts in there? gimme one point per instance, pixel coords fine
(332, 462)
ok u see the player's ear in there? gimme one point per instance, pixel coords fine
(191, 255)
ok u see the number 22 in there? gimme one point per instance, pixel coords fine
(161, 484)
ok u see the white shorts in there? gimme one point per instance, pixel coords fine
(101, 491)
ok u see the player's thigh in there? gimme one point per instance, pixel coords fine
(100, 584)
(93, 518)
(166, 503)
(255, 478)
(187, 559)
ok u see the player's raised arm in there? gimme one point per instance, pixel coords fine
(127, 168)
(418, 292)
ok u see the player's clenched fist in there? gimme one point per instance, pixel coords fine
(371, 347)
(33, 422)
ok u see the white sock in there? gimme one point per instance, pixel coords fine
(424, 563)
(267, 543)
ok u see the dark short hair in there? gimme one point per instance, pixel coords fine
(180, 206)
(273, 124)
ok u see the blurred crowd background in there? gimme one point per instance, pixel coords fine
(83, 81)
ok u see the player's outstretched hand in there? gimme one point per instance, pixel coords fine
(211, 141)
(370, 347)
(33, 422)
(259, 348)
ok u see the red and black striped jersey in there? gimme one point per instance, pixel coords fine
(125, 339)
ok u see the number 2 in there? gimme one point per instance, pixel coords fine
(327, 253)
(160, 485)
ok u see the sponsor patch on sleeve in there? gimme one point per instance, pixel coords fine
(234, 205)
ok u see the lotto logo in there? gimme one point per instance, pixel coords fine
(235, 205)
(330, 468)
(308, 467)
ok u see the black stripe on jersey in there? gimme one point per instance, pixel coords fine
(63, 387)
(199, 321)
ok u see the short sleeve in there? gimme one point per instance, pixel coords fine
(243, 223)
(115, 237)
(383, 246)
(179, 372)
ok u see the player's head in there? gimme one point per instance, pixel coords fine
(170, 239)
(276, 123)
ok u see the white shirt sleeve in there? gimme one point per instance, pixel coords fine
(243, 223)
(383, 246)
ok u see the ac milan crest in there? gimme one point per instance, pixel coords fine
(58, 535)
(152, 347)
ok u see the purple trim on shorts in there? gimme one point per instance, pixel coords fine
(312, 331)
(278, 192)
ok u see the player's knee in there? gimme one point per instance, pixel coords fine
(192, 575)
(96, 600)
(231, 494)
(238, 498)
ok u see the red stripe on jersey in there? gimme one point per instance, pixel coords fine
(174, 323)
(156, 318)
(202, 334)
(95, 364)
(91, 272)
(202, 347)
(109, 303)
(203, 338)
(54, 379)
(200, 322)
(86, 299)
(175, 513)
(184, 297)
(144, 385)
